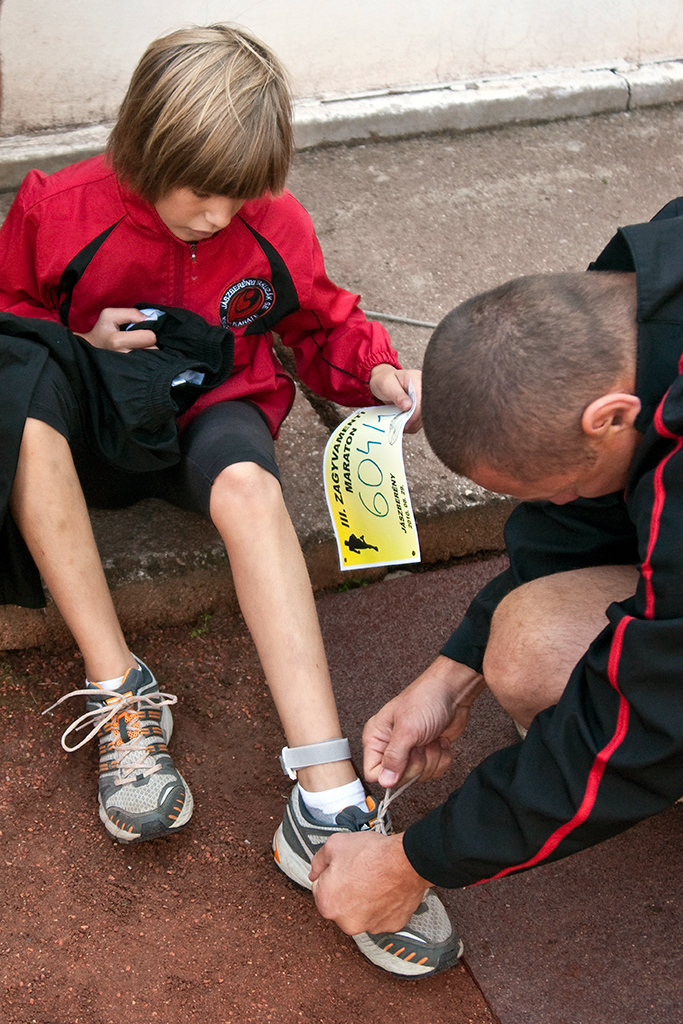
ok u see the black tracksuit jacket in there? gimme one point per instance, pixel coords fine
(610, 753)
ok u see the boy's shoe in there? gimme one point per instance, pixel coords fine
(426, 944)
(142, 795)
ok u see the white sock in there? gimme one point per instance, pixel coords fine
(106, 684)
(326, 804)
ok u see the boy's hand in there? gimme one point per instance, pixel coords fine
(390, 386)
(414, 731)
(106, 333)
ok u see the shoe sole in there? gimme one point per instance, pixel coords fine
(520, 730)
(289, 863)
(403, 968)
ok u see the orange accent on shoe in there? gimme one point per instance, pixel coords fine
(399, 951)
(275, 853)
(422, 961)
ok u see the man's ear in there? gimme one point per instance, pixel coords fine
(610, 414)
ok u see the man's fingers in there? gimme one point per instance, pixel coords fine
(107, 333)
(128, 340)
(368, 883)
(399, 752)
(387, 384)
(129, 315)
(392, 752)
(394, 394)
(376, 736)
(438, 757)
(319, 862)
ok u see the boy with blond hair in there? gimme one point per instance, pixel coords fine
(187, 209)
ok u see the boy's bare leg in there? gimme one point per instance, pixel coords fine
(141, 793)
(541, 630)
(274, 592)
(277, 603)
(49, 509)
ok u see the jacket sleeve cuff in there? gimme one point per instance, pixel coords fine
(466, 645)
(423, 845)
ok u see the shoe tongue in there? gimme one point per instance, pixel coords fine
(353, 818)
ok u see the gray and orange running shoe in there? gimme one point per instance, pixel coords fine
(142, 795)
(427, 944)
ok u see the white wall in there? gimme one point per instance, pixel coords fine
(66, 62)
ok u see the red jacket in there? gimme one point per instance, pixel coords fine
(78, 241)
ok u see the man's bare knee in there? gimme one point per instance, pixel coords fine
(514, 646)
(541, 630)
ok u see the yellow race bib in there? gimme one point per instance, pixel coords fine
(366, 489)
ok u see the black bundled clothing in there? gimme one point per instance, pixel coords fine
(128, 403)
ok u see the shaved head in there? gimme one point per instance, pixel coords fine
(508, 374)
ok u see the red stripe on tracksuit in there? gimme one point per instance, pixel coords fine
(658, 506)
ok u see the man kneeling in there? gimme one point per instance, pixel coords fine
(565, 391)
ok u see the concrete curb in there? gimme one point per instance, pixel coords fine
(167, 566)
(48, 151)
(460, 106)
(452, 106)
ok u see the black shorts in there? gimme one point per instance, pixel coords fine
(220, 436)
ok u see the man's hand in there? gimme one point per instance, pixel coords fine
(365, 883)
(390, 386)
(106, 333)
(412, 734)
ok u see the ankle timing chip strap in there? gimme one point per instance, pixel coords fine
(293, 758)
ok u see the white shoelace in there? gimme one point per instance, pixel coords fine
(114, 704)
(390, 795)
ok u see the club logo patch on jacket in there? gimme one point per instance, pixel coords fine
(245, 301)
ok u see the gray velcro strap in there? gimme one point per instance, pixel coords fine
(293, 758)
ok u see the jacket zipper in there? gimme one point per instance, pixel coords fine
(179, 297)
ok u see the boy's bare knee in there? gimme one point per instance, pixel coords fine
(245, 484)
(243, 473)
